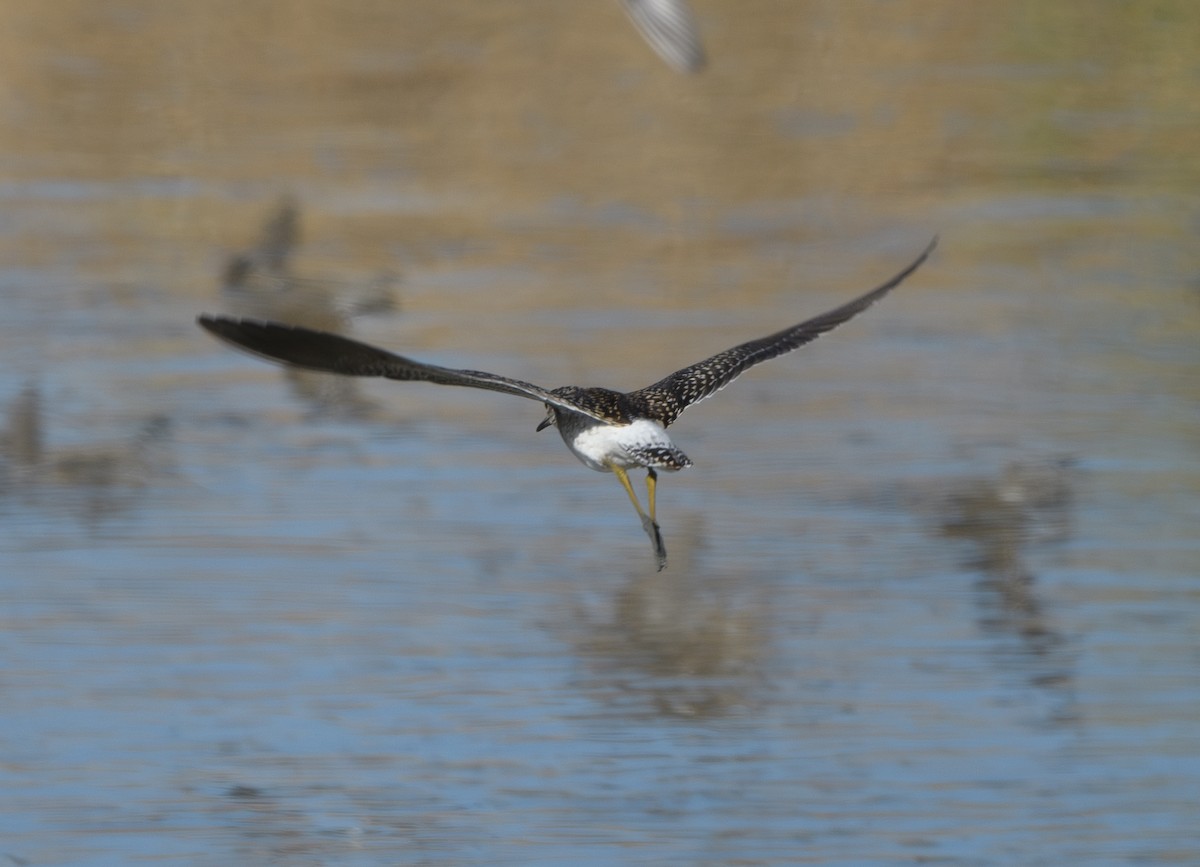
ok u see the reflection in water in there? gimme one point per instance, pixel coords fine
(96, 480)
(670, 28)
(1029, 502)
(258, 283)
(22, 441)
(676, 641)
(270, 829)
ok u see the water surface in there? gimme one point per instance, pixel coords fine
(933, 585)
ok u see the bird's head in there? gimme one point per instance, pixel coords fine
(551, 418)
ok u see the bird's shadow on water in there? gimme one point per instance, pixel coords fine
(1005, 518)
(94, 482)
(684, 643)
(261, 282)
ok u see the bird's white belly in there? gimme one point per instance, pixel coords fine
(602, 446)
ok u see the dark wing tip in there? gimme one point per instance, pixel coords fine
(218, 326)
(247, 335)
(847, 311)
(930, 248)
(917, 263)
(297, 346)
(238, 331)
(214, 324)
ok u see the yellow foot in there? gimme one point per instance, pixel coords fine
(655, 533)
(648, 522)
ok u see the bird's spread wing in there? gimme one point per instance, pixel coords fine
(670, 28)
(331, 353)
(667, 398)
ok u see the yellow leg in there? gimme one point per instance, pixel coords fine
(651, 487)
(623, 478)
(648, 523)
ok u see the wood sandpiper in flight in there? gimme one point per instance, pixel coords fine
(609, 431)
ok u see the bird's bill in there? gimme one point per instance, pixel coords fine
(548, 420)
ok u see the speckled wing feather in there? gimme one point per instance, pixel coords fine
(332, 353)
(670, 396)
(670, 28)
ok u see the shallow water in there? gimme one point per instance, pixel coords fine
(933, 587)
